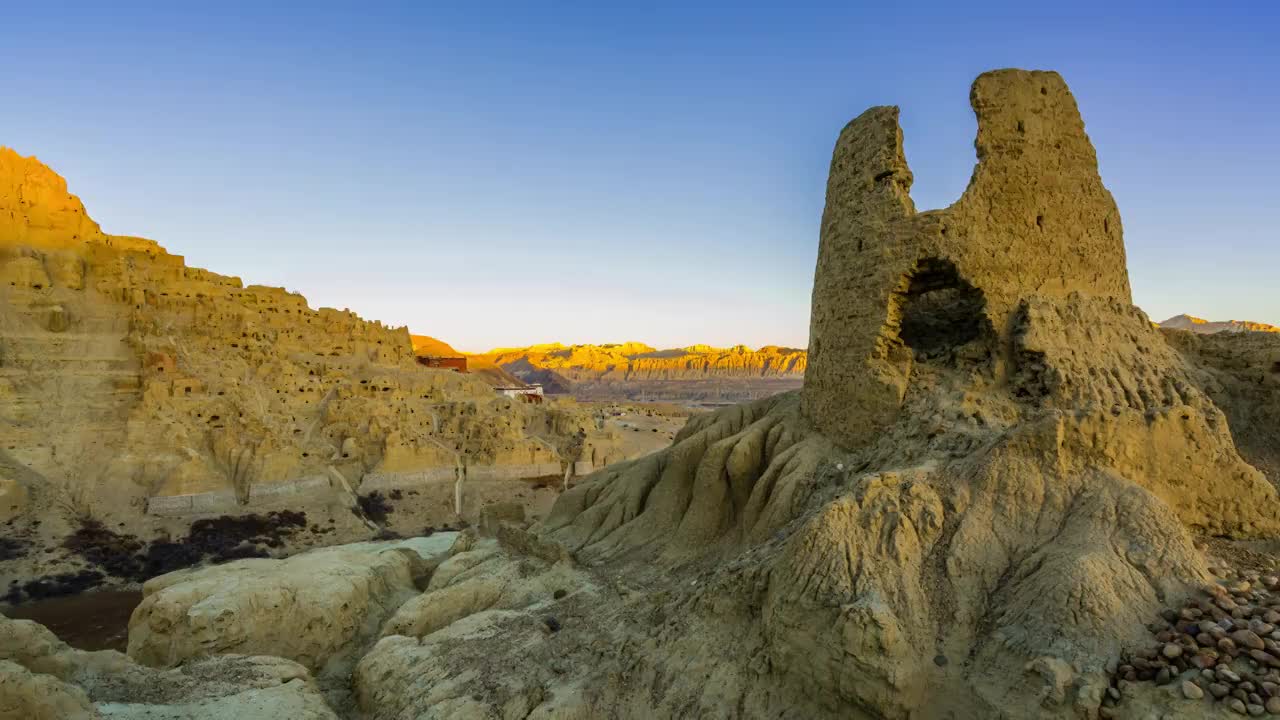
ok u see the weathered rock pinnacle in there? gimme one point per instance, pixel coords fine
(891, 282)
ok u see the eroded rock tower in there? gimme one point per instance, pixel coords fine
(892, 283)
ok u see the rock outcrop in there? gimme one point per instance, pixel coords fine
(987, 488)
(42, 678)
(319, 609)
(131, 383)
(631, 371)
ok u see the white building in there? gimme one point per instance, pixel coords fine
(527, 393)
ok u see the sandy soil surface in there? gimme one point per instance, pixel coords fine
(642, 434)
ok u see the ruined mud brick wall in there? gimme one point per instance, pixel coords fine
(891, 281)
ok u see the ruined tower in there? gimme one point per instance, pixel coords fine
(893, 284)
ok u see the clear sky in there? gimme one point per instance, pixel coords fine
(499, 174)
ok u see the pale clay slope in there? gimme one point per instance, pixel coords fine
(41, 678)
(317, 612)
(986, 488)
(315, 608)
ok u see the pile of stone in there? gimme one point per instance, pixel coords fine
(1223, 646)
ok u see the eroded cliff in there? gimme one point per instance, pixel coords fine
(131, 383)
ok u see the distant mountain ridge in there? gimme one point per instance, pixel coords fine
(1208, 327)
(633, 370)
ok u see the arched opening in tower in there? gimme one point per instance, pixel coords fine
(941, 311)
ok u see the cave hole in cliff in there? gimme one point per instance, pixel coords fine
(1275, 367)
(941, 311)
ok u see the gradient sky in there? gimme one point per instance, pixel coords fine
(508, 174)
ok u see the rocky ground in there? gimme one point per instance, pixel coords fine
(643, 428)
(44, 560)
(38, 566)
(1218, 652)
(323, 607)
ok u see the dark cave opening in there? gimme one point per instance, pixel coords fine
(941, 311)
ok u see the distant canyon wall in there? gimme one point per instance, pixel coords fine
(1208, 327)
(635, 371)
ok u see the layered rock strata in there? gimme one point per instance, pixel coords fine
(635, 371)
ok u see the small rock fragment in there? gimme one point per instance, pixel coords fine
(1203, 661)
(1263, 658)
(1248, 639)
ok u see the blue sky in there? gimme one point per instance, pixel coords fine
(507, 174)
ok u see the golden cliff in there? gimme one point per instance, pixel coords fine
(132, 383)
(637, 371)
(1208, 327)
